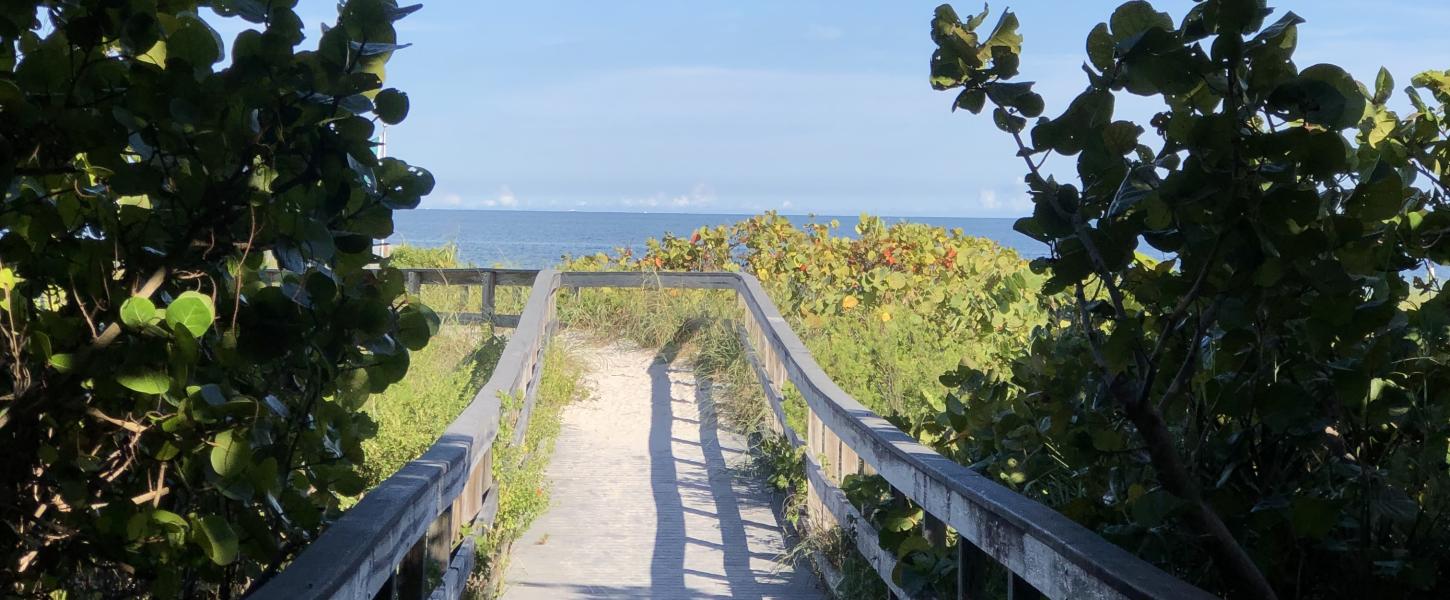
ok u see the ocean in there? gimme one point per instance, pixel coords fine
(537, 239)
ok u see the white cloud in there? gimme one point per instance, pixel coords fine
(1015, 201)
(824, 33)
(988, 199)
(504, 199)
(698, 197)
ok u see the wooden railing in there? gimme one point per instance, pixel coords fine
(488, 282)
(408, 525)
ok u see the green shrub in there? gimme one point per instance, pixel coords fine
(1264, 412)
(174, 424)
(405, 256)
(442, 380)
(885, 313)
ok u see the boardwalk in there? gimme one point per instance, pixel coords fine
(647, 501)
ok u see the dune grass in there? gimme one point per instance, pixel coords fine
(442, 379)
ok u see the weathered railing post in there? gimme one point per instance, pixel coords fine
(817, 513)
(486, 300)
(1019, 589)
(972, 568)
(440, 544)
(412, 577)
(413, 281)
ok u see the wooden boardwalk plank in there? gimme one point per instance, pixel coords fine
(647, 501)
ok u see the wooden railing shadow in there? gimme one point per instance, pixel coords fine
(409, 526)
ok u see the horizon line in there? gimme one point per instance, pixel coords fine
(722, 214)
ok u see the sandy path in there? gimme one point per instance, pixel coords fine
(646, 502)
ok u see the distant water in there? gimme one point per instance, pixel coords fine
(537, 239)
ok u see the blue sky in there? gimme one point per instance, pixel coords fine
(745, 105)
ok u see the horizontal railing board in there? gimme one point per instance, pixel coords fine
(456, 276)
(1056, 555)
(473, 318)
(616, 279)
(464, 276)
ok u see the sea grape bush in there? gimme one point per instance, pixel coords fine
(885, 311)
(1264, 412)
(173, 422)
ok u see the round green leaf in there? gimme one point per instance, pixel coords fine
(391, 106)
(1136, 17)
(191, 310)
(896, 281)
(416, 324)
(231, 453)
(194, 41)
(138, 312)
(216, 538)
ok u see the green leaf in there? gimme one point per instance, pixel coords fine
(138, 312)
(391, 106)
(168, 518)
(1003, 36)
(1119, 137)
(416, 324)
(1384, 85)
(254, 11)
(216, 538)
(194, 42)
(62, 362)
(1322, 94)
(896, 281)
(191, 310)
(1380, 198)
(230, 453)
(901, 522)
(1280, 28)
(911, 544)
(1240, 16)
(144, 380)
(972, 99)
(1135, 17)
(1007, 122)
(1120, 347)
(1100, 47)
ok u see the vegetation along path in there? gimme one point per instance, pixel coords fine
(646, 502)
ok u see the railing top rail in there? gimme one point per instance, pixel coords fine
(1055, 554)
